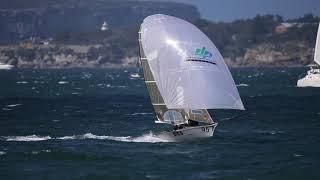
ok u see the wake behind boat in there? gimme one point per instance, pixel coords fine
(312, 79)
(185, 75)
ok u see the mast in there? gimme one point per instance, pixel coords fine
(155, 96)
(317, 48)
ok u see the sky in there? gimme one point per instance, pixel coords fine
(230, 10)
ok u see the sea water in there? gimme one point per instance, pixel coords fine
(99, 124)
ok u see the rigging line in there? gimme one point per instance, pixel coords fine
(174, 96)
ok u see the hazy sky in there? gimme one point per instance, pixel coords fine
(228, 10)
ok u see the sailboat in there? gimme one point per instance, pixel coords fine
(312, 79)
(6, 66)
(185, 75)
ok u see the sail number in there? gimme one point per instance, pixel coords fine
(206, 129)
(177, 133)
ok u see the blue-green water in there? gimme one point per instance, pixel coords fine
(96, 124)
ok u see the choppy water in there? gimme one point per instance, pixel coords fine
(98, 124)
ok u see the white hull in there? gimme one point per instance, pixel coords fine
(6, 66)
(135, 75)
(188, 133)
(310, 80)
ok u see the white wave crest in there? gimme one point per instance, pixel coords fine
(67, 137)
(137, 114)
(242, 85)
(63, 82)
(22, 82)
(27, 138)
(13, 105)
(2, 153)
(6, 109)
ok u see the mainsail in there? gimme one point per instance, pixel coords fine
(317, 48)
(184, 72)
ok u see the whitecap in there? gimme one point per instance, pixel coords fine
(297, 155)
(2, 153)
(271, 132)
(6, 109)
(63, 82)
(13, 105)
(22, 82)
(45, 151)
(27, 138)
(86, 75)
(134, 75)
(35, 152)
(136, 114)
(243, 85)
(67, 137)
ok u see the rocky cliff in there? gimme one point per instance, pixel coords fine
(100, 56)
(290, 53)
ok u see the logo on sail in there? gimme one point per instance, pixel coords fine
(202, 52)
(202, 55)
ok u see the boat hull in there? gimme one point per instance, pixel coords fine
(311, 80)
(6, 66)
(188, 133)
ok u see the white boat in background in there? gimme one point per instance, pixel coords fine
(6, 66)
(312, 79)
(185, 75)
(134, 75)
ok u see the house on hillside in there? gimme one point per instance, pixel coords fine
(284, 27)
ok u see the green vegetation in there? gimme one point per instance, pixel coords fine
(232, 39)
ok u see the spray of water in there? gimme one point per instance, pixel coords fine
(145, 138)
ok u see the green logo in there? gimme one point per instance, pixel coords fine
(205, 54)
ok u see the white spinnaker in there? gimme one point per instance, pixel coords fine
(187, 80)
(317, 48)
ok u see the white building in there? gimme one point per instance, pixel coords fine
(105, 26)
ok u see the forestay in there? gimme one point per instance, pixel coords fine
(186, 69)
(317, 48)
